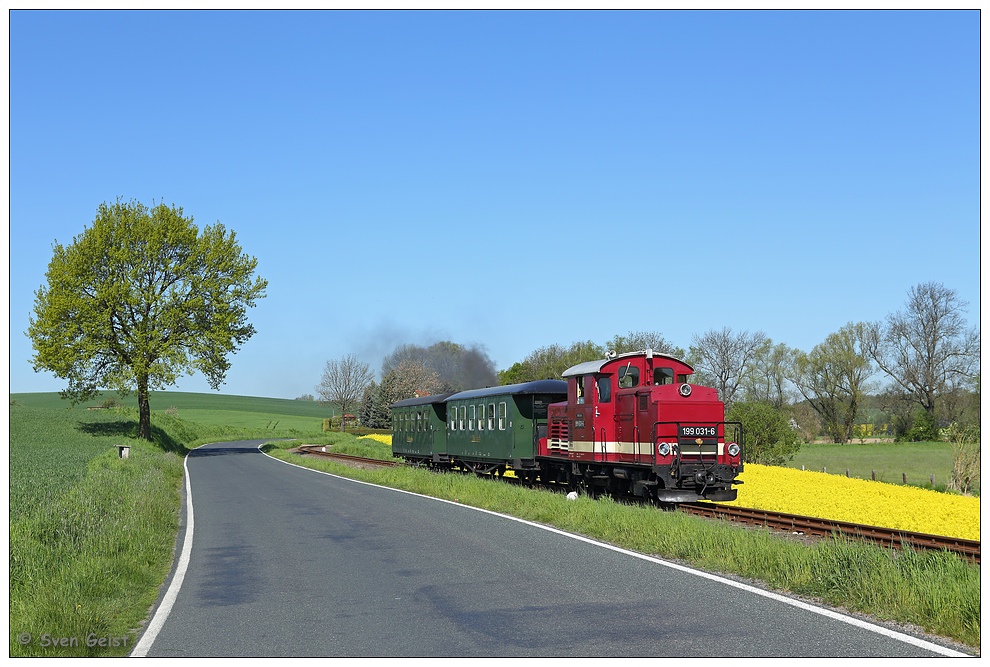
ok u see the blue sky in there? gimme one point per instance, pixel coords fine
(510, 179)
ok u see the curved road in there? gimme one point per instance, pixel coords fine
(285, 561)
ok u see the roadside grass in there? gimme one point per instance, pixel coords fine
(935, 591)
(889, 460)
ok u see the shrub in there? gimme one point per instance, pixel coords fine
(925, 428)
(770, 440)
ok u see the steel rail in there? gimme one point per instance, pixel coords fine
(318, 450)
(806, 525)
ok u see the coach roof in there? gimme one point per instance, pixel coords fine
(535, 387)
(421, 400)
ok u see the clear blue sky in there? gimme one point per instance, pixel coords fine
(511, 179)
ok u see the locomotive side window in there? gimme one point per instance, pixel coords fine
(580, 389)
(681, 379)
(491, 416)
(604, 390)
(663, 376)
(502, 420)
(628, 377)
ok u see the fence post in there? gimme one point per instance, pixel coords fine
(904, 477)
(873, 475)
(847, 472)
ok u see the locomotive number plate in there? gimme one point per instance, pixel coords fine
(697, 431)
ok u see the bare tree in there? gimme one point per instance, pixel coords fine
(926, 348)
(343, 383)
(724, 358)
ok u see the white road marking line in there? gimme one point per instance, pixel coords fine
(161, 614)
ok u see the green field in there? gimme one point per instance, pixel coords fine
(889, 461)
(218, 409)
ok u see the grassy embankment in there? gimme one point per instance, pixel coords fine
(92, 535)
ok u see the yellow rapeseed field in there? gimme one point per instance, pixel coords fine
(858, 501)
(379, 437)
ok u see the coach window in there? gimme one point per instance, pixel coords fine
(491, 416)
(453, 418)
(502, 421)
(471, 417)
(481, 417)
(460, 422)
(663, 376)
(605, 389)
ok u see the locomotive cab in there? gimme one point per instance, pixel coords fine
(633, 423)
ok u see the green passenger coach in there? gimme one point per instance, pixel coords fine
(497, 428)
(419, 427)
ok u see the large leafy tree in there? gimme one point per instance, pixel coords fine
(834, 378)
(550, 361)
(140, 297)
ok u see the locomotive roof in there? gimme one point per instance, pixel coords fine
(534, 387)
(589, 367)
(421, 400)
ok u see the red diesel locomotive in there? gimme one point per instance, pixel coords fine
(633, 424)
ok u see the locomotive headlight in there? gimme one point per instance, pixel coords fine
(663, 449)
(733, 449)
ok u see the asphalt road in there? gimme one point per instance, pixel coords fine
(289, 562)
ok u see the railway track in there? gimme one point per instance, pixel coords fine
(806, 525)
(792, 523)
(318, 450)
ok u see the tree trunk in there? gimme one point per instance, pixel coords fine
(144, 409)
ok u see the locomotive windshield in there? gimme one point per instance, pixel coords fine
(663, 376)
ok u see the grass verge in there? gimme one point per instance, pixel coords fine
(937, 592)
